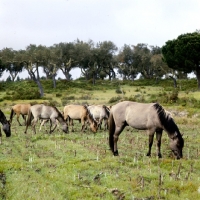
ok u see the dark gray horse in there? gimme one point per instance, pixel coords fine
(151, 117)
(6, 124)
(40, 111)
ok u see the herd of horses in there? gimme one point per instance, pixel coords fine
(142, 116)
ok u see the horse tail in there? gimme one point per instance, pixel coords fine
(111, 126)
(11, 115)
(107, 111)
(29, 119)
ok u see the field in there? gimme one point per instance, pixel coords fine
(81, 166)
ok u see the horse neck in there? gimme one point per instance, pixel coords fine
(173, 131)
(60, 119)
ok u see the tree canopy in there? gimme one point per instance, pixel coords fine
(183, 53)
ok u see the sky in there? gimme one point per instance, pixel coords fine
(48, 22)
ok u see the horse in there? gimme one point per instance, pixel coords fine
(82, 113)
(19, 109)
(100, 113)
(151, 117)
(6, 124)
(41, 111)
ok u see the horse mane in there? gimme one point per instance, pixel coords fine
(3, 119)
(89, 114)
(166, 120)
(59, 113)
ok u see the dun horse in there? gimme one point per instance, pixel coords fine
(79, 112)
(6, 124)
(40, 111)
(100, 113)
(151, 117)
(19, 109)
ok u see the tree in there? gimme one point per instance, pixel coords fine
(32, 58)
(183, 54)
(65, 58)
(8, 58)
(126, 63)
(2, 67)
(49, 65)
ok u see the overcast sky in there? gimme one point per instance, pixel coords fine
(48, 22)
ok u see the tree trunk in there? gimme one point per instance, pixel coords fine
(94, 79)
(54, 80)
(175, 83)
(198, 76)
(40, 88)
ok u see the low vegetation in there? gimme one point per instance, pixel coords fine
(81, 166)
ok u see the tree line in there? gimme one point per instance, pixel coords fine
(103, 60)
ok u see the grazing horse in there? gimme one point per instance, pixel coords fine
(100, 113)
(19, 109)
(79, 112)
(151, 117)
(6, 124)
(40, 111)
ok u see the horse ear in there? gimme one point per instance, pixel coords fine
(175, 135)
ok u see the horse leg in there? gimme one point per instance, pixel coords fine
(18, 119)
(71, 124)
(158, 138)
(83, 124)
(52, 121)
(118, 130)
(0, 137)
(42, 124)
(33, 125)
(100, 123)
(151, 136)
(24, 117)
(105, 124)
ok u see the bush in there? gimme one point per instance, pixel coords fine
(23, 94)
(114, 99)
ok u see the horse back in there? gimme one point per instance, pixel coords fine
(137, 115)
(21, 108)
(75, 111)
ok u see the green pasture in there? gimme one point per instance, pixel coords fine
(81, 166)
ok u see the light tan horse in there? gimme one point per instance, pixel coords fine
(144, 116)
(100, 113)
(40, 111)
(19, 109)
(79, 112)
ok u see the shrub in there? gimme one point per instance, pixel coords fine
(58, 95)
(114, 99)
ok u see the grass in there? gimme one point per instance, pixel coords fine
(81, 166)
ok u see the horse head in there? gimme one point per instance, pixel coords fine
(65, 128)
(94, 126)
(6, 128)
(176, 145)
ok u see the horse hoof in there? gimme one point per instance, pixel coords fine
(116, 153)
(148, 154)
(159, 156)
